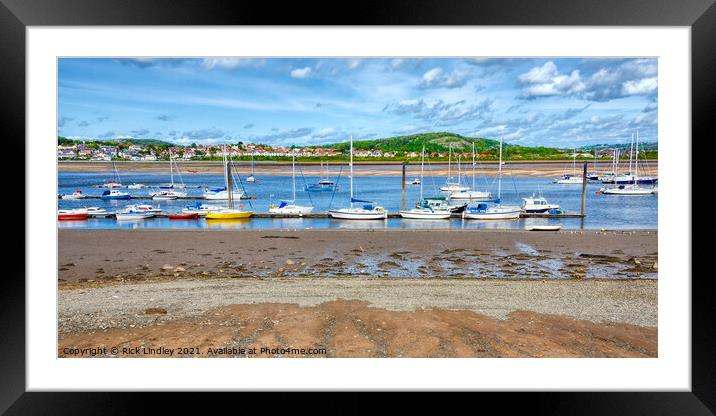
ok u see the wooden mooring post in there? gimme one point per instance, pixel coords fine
(584, 192)
(402, 198)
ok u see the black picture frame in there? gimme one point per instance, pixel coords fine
(16, 15)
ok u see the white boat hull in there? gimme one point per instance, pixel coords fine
(133, 216)
(495, 213)
(470, 196)
(291, 210)
(425, 215)
(358, 214)
(222, 196)
(629, 191)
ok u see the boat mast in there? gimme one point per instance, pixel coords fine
(171, 167)
(449, 160)
(574, 162)
(473, 166)
(631, 150)
(636, 160)
(227, 179)
(499, 176)
(293, 175)
(422, 164)
(351, 168)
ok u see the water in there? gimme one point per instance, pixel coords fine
(608, 212)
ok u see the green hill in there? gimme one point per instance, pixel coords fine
(434, 142)
(440, 142)
(113, 142)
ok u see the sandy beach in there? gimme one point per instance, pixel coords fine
(338, 293)
(551, 169)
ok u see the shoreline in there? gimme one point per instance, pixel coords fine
(279, 168)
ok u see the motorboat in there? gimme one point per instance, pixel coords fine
(136, 186)
(74, 195)
(131, 215)
(470, 195)
(442, 203)
(484, 212)
(416, 181)
(201, 209)
(114, 194)
(222, 194)
(633, 189)
(569, 180)
(425, 213)
(71, 215)
(367, 211)
(167, 195)
(146, 208)
(95, 212)
(535, 204)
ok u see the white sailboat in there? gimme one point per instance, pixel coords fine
(496, 212)
(368, 211)
(451, 185)
(573, 178)
(251, 177)
(228, 213)
(425, 212)
(471, 194)
(632, 189)
(171, 194)
(290, 207)
(112, 183)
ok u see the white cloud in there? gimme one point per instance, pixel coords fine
(328, 131)
(353, 63)
(640, 87)
(230, 63)
(546, 80)
(301, 72)
(435, 78)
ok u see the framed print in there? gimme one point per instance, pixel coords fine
(454, 197)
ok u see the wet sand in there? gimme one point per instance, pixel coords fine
(552, 169)
(105, 256)
(387, 293)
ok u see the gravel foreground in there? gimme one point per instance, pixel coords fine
(330, 293)
(366, 317)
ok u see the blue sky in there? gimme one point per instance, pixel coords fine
(284, 101)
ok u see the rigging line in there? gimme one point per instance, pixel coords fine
(235, 173)
(335, 187)
(305, 184)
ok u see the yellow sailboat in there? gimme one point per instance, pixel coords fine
(228, 213)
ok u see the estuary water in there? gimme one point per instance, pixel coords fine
(603, 211)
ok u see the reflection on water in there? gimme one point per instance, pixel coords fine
(610, 212)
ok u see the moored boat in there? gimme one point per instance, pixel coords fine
(74, 195)
(183, 215)
(71, 215)
(483, 211)
(228, 213)
(290, 207)
(425, 213)
(115, 194)
(368, 211)
(535, 204)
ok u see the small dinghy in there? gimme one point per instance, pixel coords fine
(183, 216)
(545, 228)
